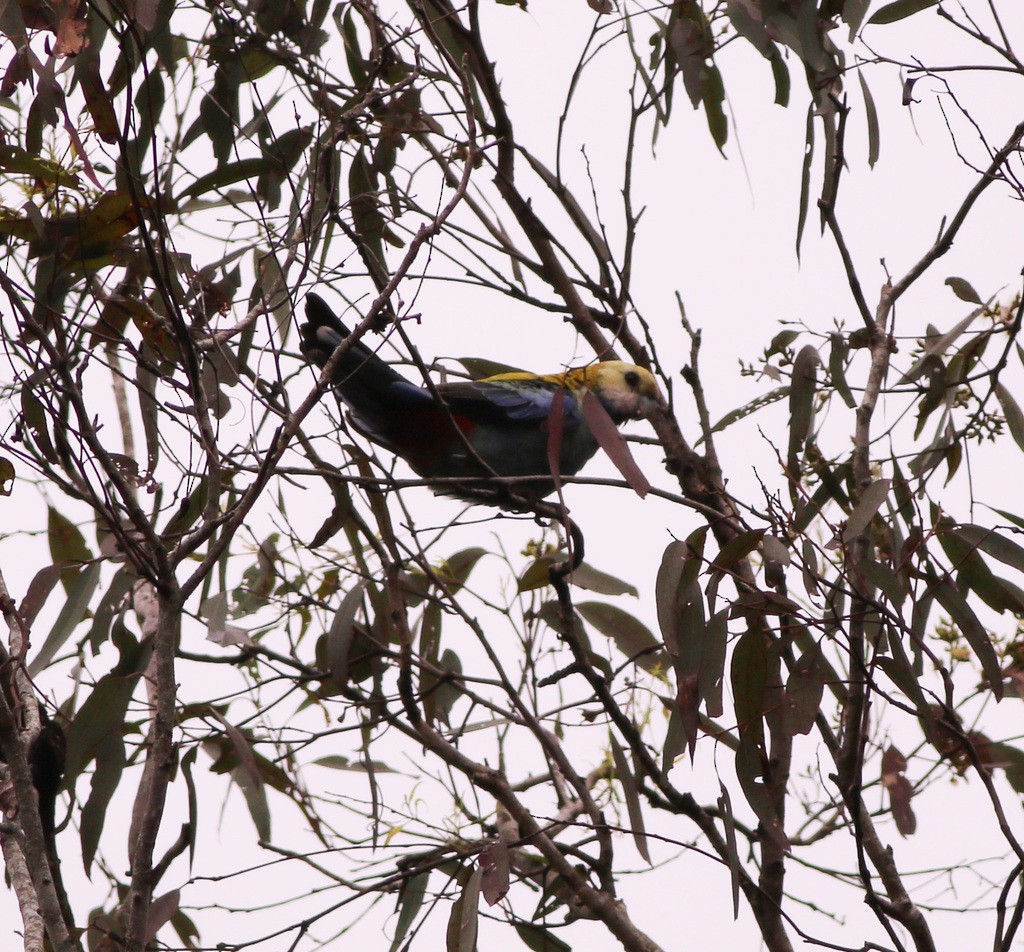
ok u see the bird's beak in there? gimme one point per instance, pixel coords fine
(649, 405)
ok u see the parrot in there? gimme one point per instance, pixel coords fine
(495, 426)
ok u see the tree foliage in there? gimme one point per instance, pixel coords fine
(444, 717)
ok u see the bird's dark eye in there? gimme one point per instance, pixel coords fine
(632, 378)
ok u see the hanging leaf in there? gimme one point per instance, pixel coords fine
(867, 506)
(992, 543)
(749, 678)
(899, 789)
(103, 712)
(801, 405)
(410, 901)
(462, 923)
(161, 911)
(255, 795)
(950, 598)
(805, 177)
(729, 822)
(899, 10)
(631, 795)
(72, 613)
(631, 636)
(688, 707)
(340, 516)
(760, 403)
(39, 590)
(455, 570)
(737, 548)
(961, 287)
(871, 117)
(586, 576)
(67, 545)
(804, 689)
(612, 442)
(1012, 414)
(109, 764)
(538, 939)
(494, 865)
(936, 344)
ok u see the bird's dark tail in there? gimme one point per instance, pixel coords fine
(375, 392)
(360, 368)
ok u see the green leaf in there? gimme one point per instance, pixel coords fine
(37, 421)
(339, 762)
(837, 369)
(936, 344)
(447, 691)
(885, 579)
(899, 10)
(341, 514)
(871, 117)
(1012, 414)
(773, 396)
(103, 712)
(631, 636)
(801, 404)
(749, 678)
(410, 900)
(538, 939)
(853, 14)
(188, 511)
(112, 602)
(67, 544)
(631, 795)
(780, 342)
(342, 633)
(804, 689)
(737, 548)
(353, 55)
(974, 574)
(712, 665)
(538, 573)
(187, 765)
(751, 758)
(593, 580)
(39, 590)
(463, 921)
(110, 762)
(971, 628)
(1011, 759)
(805, 178)
(255, 794)
(900, 671)
(867, 506)
(992, 543)
(961, 287)
(18, 161)
(780, 73)
(677, 595)
(729, 823)
(71, 614)
(713, 96)
(229, 174)
(455, 570)
(479, 368)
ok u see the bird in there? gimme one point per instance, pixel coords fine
(474, 429)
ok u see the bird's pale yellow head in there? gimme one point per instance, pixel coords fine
(626, 391)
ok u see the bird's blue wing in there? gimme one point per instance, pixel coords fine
(521, 401)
